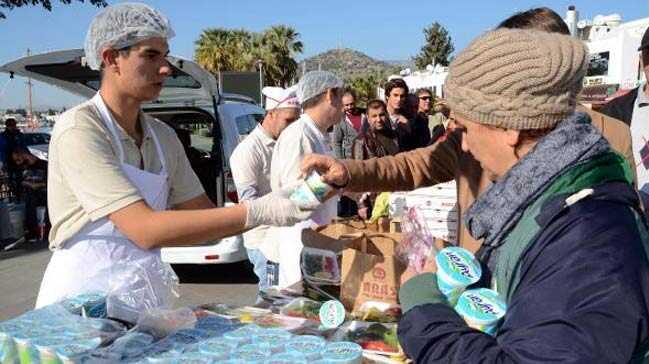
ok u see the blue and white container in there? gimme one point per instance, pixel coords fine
(343, 353)
(457, 269)
(481, 309)
(310, 346)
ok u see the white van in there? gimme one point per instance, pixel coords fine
(206, 122)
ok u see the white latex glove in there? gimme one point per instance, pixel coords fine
(276, 209)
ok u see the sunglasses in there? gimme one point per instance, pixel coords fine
(425, 98)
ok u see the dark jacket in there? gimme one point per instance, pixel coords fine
(420, 131)
(568, 307)
(621, 107)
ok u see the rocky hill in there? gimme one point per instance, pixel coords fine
(348, 63)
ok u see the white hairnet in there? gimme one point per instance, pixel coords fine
(122, 25)
(316, 82)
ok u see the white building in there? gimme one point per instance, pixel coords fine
(613, 47)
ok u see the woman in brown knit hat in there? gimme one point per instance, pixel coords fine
(563, 236)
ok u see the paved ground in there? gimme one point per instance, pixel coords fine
(21, 271)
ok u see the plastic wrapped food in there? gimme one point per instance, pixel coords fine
(304, 308)
(130, 345)
(417, 244)
(374, 311)
(320, 266)
(374, 337)
(457, 269)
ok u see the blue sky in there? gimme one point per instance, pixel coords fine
(383, 29)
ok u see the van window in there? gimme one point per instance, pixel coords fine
(247, 122)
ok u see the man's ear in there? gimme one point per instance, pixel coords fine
(512, 137)
(109, 58)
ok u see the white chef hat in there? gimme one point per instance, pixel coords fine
(280, 98)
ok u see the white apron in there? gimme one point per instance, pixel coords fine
(84, 263)
(291, 247)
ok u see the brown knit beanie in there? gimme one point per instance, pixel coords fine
(517, 79)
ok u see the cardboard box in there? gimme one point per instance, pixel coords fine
(369, 269)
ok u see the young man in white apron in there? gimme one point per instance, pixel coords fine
(320, 94)
(120, 186)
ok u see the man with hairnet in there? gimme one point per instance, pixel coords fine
(250, 165)
(320, 94)
(120, 185)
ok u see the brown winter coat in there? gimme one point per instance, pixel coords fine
(445, 161)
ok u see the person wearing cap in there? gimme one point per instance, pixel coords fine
(250, 165)
(320, 93)
(564, 241)
(446, 161)
(119, 184)
(633, 109)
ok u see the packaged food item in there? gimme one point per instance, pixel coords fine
(304, 308)
(273, 338)
(312, 191)
(202, 358)
(68, 352)
(375, 311)
(343, 353)
(320, 266)
(373, 337)
(163, 357)
(481, 309)
(242, 335)
(216, 348)
(252, 353)
(309, 346)
(46, 347)
(131, 344)
(287, 358)
(214, 323)
(457, 269)
(332, 314)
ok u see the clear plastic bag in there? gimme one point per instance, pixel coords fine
(139, 286)
(417, 244)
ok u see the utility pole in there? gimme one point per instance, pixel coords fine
(260, 64)
(30, 109)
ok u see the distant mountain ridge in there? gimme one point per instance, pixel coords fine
(349, 63)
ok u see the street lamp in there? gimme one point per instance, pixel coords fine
(260, 66)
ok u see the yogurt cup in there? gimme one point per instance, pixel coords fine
(311, 191)
(308, 345)
(243, 335)
(199, 358)
(273, 339)
(481, 309)
(457, 269)
(252, 353)
(163, 357)
(214, 348)
(287, 358)
(343, 352)
(67, 352)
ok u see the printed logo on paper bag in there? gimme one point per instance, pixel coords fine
(378, 273)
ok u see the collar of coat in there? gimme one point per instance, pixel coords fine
(499, 208)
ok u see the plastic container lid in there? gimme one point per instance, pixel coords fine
(308, 345)
(332, 314)
(273, 335)
(252, 353)
(343, 351)
(457, 267)
(200, 358)
(242, 335)
(287, 358)
(215, 348)
(481, 306)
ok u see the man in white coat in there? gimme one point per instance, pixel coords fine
(250, 165)
(320, 94)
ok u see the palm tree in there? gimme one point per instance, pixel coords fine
(279, 46)
(219, 49)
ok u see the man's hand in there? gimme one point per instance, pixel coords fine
(333, 172)
(276, 209)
